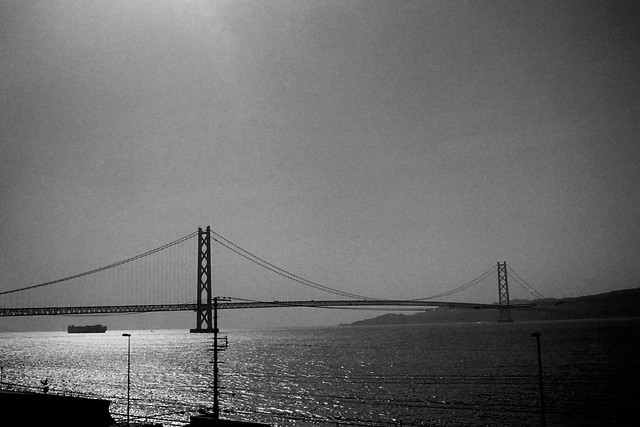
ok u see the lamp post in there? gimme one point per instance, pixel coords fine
(128, 375)
(543, 421)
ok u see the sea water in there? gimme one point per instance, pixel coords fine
(439, 375)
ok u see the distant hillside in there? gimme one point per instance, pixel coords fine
(623, 303)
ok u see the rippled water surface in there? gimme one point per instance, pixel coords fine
(441, 375)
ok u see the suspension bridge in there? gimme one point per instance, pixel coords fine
(164, 279)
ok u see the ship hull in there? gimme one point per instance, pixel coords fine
(90, 329)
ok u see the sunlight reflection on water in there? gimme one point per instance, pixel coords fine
(418, 375)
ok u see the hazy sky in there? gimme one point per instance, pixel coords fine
(387, 148)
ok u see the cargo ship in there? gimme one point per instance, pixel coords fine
(89, 329)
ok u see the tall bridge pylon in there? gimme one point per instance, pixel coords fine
(204, 318)
(503, 294)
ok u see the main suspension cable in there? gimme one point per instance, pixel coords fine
(526, 286)
(106, 267)
(284, 273)
(462, 287)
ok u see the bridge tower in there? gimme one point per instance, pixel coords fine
(204, 318)
(503, 294)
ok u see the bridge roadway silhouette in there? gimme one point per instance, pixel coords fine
(49, 311)
(203, 306)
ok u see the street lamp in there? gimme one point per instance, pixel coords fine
(128, 375)
(543, 421)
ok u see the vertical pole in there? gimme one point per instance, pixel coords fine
(128, 377)
(543, 421)
(216, 407)
(216, 349)
(129, 381)
(503, 294)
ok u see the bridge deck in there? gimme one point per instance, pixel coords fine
(48, 311)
